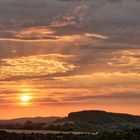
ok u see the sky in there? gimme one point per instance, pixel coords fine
(60, 56)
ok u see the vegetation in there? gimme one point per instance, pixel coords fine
(122, 135)
(93, 121)
(27, 125)
(96, 121)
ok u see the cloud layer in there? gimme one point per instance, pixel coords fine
(70, 46)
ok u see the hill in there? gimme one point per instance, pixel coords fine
(95, 116)
(34, 120)
(91, 120)
(97, 121)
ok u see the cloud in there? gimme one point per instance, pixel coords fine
(38, 33)
(34, 66)
(70, 45)
(113, 96)
(5, 92)
(96, 36)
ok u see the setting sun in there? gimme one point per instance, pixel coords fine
(25, 99)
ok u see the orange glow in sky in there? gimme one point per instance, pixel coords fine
(69, 56)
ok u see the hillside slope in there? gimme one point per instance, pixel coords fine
(95, 120)
(34, 120)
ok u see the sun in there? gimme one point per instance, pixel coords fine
(25, 99)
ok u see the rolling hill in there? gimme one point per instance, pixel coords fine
(34, 120)
(94, 120)
(91, 120)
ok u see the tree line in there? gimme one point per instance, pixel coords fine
(120, 135)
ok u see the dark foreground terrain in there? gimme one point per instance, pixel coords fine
(122, 135)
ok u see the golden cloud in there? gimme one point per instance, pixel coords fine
(35, 66)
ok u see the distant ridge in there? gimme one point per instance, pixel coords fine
(34, 120)
(96, 120)
(99, 116)
(87, 120)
